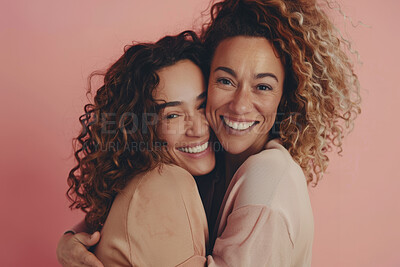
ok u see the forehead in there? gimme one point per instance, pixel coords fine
(182, 81)
(247, 54)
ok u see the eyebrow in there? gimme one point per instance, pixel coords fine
(228, 70)
(258, 76)
(178, 103)
(169, 104)
(266, 74)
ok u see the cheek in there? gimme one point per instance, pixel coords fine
(169, 134)
(171, 141)
(268, 108)
(210, 103)
(215, 99)
(174, 126)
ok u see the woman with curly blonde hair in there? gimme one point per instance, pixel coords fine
(281, 94)
(281, 90)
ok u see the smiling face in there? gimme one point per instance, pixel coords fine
(244, 91)
(182, 122)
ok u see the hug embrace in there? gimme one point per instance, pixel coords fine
(209, 142)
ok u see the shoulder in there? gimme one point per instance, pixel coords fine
(163, 186)
(163, 179)
(165, 192)
(160, 224)
(166, 179)
(273, 157)
(260, 175)
(274, 161)
(267, 167)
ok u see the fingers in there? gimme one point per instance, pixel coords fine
(80, 253)
(95, 238)
(87, 239)
(72, 250)
(91, 260)
(63, 250)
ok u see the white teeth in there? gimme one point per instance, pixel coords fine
(238, 125)
(196, 149)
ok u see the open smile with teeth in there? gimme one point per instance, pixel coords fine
(240, 126)
(195, 149)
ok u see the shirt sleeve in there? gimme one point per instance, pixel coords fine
(254, 236)
(166, 224)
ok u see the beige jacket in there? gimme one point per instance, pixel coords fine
(157, 220)
(265, 218)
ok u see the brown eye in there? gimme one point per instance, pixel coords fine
(224, 81)
(171, 116)
(264, 87)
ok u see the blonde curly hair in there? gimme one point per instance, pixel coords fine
(321, 95)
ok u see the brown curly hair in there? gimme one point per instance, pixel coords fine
(321, 95)
(116, 141)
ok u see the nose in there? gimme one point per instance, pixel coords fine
(197, 125)
(241, 102)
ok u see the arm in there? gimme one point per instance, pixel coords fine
(171, 228)
(254, 236)
(260, 217)
(72, 250)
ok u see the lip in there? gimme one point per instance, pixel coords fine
(197, 155)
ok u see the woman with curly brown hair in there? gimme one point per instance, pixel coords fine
(281, 93)
(147, 119)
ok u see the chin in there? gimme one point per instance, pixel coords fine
(200, 170)
(235, 148)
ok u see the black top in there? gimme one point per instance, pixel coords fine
(212, 190)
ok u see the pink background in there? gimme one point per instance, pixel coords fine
(47, 50)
